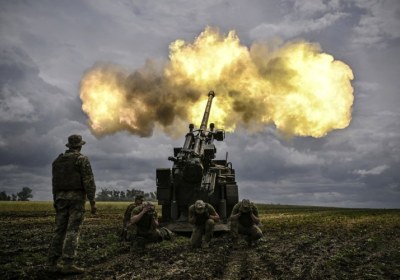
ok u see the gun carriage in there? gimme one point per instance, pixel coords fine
(196, 174)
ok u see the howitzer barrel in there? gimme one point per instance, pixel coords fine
(203, 126)
(206, 115)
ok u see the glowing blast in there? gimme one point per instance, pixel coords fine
(311, 93)
(106, 102)
(301, 90)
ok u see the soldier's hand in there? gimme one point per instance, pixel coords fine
(149, 209)
(124, 234)
(93, 208)
(145, 209)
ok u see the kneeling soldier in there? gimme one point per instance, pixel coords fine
(203, 217)
(244, 220)
(144, 217)
(125, 236)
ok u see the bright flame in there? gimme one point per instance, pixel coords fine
(102, 101)
(301, 90)
(318, 96)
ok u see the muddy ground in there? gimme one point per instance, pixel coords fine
(298, 243)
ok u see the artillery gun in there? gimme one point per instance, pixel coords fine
(196, 174)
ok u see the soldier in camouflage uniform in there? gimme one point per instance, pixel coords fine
(125, 236)
(72, 182)
(244, 220)
(203, 217)
(144, 225)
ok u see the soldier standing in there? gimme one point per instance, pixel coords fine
(144, 217)
(203, 217)
(244, 220)
(127, 217)
(72, 182)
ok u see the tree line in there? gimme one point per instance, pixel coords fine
(107, 194)
(24, 195)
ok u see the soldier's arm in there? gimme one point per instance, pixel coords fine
(213, 214)
(235, 213)
(254, 215)
(137, 215)
(87, 178)
(127, 215)
(88, 181)
(192, 218)
(154, 221)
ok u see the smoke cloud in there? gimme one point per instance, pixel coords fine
(295, 86)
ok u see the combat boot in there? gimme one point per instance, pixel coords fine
(249, 241)
(235, 244)
(68, 267)
(52, 264)
(138, 244)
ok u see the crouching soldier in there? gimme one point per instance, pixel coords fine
(125, 236)
(244, 220)
(203, 217)
(144, 220)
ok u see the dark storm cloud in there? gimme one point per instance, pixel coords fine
(31, 139)
(46, 46)
(268, 158)
(32, 112)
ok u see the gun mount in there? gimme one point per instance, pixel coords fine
(196, 174)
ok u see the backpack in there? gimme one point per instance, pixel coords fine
(66, 174)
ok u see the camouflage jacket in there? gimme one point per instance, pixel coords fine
(245, 218)
(128, 214)
(200, 219)
(145, 224)
(87, 179)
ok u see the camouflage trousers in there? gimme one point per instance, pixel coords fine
(198, 231)
(69, 218)
(141, 238)
(252, 233)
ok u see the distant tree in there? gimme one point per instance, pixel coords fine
(25, 194)
(110, 194)
(104, 195)
(13, 197)
(122, 195)
(115, 195)
(4, 196)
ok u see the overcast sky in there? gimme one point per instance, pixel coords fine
(46, 46)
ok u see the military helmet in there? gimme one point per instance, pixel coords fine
(199, 206)
(75, 141)
(245, 206)
(149, 204)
